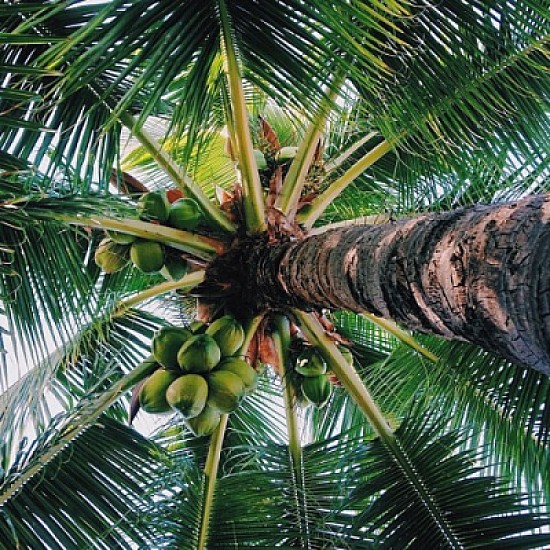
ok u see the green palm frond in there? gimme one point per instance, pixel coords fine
(472, 79)
(501, 406)
(411, 504)
(208, 163)
(90, 362)
(257, 503)
(89, 495)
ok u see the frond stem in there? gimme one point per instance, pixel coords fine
(319, 205)
(281, 339)
(340, 159)
(252, 188)
(197, 245)
(297, 173)
(347, 375)
(210, 475)
(400, 334)
(187, 282)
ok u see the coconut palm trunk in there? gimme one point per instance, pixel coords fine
(479, 275)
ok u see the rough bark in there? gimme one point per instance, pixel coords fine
(479, 275)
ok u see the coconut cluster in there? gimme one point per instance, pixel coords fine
(313, 380)
(200, 374)
(167, 208)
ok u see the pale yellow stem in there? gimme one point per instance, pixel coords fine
(197, 245)
(253, 198)
(319, 205)
(400, 334)
(347, 375)
(210, 475)
(187, 282)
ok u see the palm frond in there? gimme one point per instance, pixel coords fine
(472, 80)
(499, 405)
(411, 504)
(89, 495)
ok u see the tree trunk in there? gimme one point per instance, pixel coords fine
(480, 275)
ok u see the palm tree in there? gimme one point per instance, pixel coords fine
(356, 164)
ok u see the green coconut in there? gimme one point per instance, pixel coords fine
(286, 154)
(310, 363)
(153, 206)
(197, 327)
(185, 214)
(166, 343)
(242, 369)
(228, 334)
(225, 390)
(317, 389)
(152, 396)
(199, 354)
(261, 163)
(148, 256)
(205, 423)
(110, 256)
(187, 394)
(175, 267)
(121, 238)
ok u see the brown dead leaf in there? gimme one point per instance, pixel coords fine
(268, 135)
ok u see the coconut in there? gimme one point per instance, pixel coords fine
(205, 423)
(166, 343)
(242, 369)
(110, 256)
(261, 163)
(152, 396)
(286, 154)
(188, 394)
(225, 390)
(185, 214)
(121, 238)
(153, 206)
(310, 363)
(317, 389)
(148, 256)
(228, 333)
(175, 267)
(199, 354)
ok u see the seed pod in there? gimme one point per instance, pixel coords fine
(242, 369)
(228, 334)
(153, 206)
(152, 396)
(148, 256)
(166, 343)
(185, 214)
(199, 354)
(187, 394)
(225, 391)
(110, 256)
(317, 389)
(205, 423)
(310, 363)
